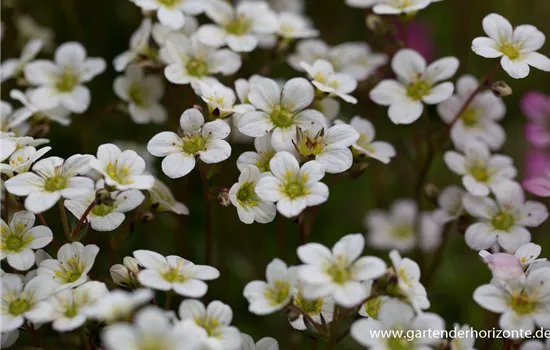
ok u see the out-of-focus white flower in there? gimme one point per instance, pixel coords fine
(294, 188)
(215, 319)
(279, 110)
(502, 265)
(172, 13)
(243, 196)
(338, 273)
(7, 339)
(122, 170)
(198, 139)
(15, 66)
(479, 120)
(70, 269)
(20, 300)
(50, 180)
(397, 315)
(161, 199)
(517, 46)
(503, 221)
(397, 229)
(20, 238)
(57, 114)
(408, 281)
(326, 80)
(366, 146)
(174, 273)
(295, 26)
(119, 305)
(479, 169)
(450, 205)
(139, 44)
(189, 60)
(60, 83)
(464, 342)
(239, 27)
(268, 297)
(162, 32)
(416, 84)
(267, 343)
(221, 100)
(523, 303)
(68, 309)
(28, 29)
(143, 94)
(535, 345)
(260, 158)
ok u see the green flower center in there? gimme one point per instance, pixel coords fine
(71, 270)
(71, 311)
(309, 144)
(55, 183)
(194, 144)
(510, 50)
(281, 118)
(277, 292)
(239, 26)
(152, 343)
(137, 94)
(418, 89)
(310, 307)
(67, 81)
(522, 305)
(263, 163)
(479, 173)
(246, 194)
(102, 209)
(173, 276)
(168, 3)
(339, 271)
(19, 306)
(398, 343)
(502, 221)
(373, 306)
(14, 243)
(295, 189)
(197, 67)
(469, 117)
(210, 325)
(402, 231)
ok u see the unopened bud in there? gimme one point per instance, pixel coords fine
(503, 266)
(103, 196)
(501, 89)
(132, 264)
(376, 24)
(431, 191)
(121, 276)
(223, 198)
(146, 216)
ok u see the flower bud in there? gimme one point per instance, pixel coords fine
(431, 191)
(103, 196)
(504, 266)
(376, 24)
(120, 275)
(131, 264)
(501, 89)
(223, 198)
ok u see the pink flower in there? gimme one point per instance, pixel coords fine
(418, 37)
(536, 107)
(537, 173)
(503, 266)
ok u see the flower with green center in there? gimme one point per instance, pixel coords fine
(168, 3)
(326, 80)
(366, 144)
(469, 117)
(20, 238)
(239, 26)
(67, 81)
(418, 89)
(193, 144)
(309, 144)
(19, 306)
(280, 117)
(196, 67)
(522, 305)
(502, 221)
(137, 94)
(260, 158)
(319, 309)
(479, 173)
(243, 196)
(55, 183)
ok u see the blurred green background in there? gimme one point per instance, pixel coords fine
(242, 251)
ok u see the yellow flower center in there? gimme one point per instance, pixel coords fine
(510, 50)
(246, 195)
(469, 117)
(308, 144)
(281, 118)
(67, 81)
(197, 67)
(55, 183)
(277, 292)
(502, 221)
(193, 144)
(521, 304)
(239, 26)
(479, 173)
(19, 306)
(310, 307)
(418, 89)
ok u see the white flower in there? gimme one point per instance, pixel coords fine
(70, 269)
(215, 319)
(479, 120)
(57, 114)
(243, 196)
(416, 84)
(8, 338)
(119, 304)
(21, 160)
(60, 83)
(174, 273)
(105, 217)
(268, 297)
(20, 238)
(397, 315)
(295, 26)
(189, 61)
(292, 187)
(523, 303)
(362, 3)
(408, 281)
(464, 342)
(395, 7)
(397, 229)
(161, 199)
(535, 345)
(13, 67)
(151, 329)
(326, 80)
(517, 47)
(221, 100)
(260, 158)
(318, 309)
(330, 147)
(139, 44)
(239, 28)
(450, 205)
(68, 309)
(198, 139)
(10, 143)
(479, 169)
(28, 29)
(162, 32)
(122, 170)
(503, 221)
(279, 110)
(20, 300)
(366, 146)
(372, 306)
(267, 343)
(143, 94)
(50, 180)
(172, 13)
(528, 253)
(338, 273)
(126, 275)
(141, 150)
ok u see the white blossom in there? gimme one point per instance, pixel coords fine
(260, 158)
(161, 199)
(449, 204)
(13, 67)
(330, 82)
(172, 13)
(243, 196)
(266, 343)
(295, 26)
(29, 109)
(366, 145)
(408, 281)
(119, 305)
(139, 44)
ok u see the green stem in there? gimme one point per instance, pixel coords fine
(6, 211)
(168, 300)
(208, 246)
(64, 221)
(35, 338)
(333, 337)
(84, 338)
